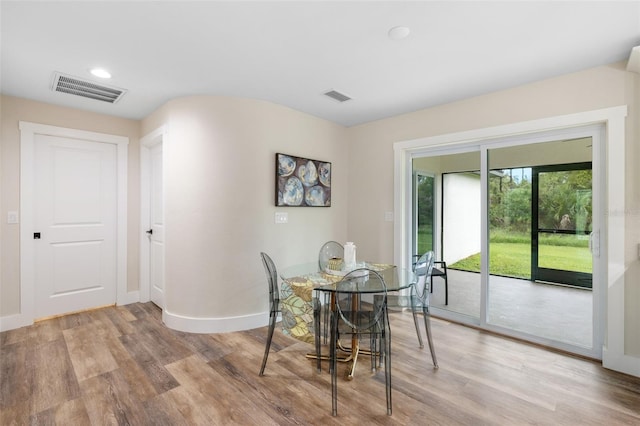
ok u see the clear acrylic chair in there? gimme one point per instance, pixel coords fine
(274, 303)
(420, 299)
(356, 318)
(329, 250)
(275, 308)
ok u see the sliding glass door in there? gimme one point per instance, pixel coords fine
(512, 219)
(539, 214)
(447, 220)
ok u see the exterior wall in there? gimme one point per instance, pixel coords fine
(15, 110)
(462, 216)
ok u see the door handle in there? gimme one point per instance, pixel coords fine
(594, 243)
(150, 232)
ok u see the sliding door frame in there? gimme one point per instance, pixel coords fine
(608, 145)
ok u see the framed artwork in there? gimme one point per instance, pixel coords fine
(301, 182)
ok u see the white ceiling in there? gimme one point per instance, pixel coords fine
(291, 52)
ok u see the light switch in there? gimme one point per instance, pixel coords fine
(282, 217)
(388, 216)
(12, 217)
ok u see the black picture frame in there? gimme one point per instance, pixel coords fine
(302, 182)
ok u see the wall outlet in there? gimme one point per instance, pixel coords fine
(282, 217)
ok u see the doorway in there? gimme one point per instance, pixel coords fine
(73, 220)
(516, 304)
(152, 239)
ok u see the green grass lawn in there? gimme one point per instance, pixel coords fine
(510, 253)
(425, 239)
(514, 259)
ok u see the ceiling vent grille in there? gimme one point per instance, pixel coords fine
(340, 97)
(85, 88)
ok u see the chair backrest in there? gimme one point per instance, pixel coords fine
(272, 278)
(328, 251)
(423, 269)
(361, 316)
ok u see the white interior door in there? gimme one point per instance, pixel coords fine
(75, 224)
(156, 230)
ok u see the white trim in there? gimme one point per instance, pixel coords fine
(14, 321)
(484, 238)
(534, 126)
(214, 325)
(27, 267)
(148, 141)
(620, 362)
(129, 298)
(613, 352)
(611, 230)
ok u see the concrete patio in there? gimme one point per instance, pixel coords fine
(549, 311)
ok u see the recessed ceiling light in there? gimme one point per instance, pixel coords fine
(398, 33)
(101, 73)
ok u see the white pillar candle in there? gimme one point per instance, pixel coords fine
(349, 255)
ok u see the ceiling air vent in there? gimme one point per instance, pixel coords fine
(85, 88)
(340, 97)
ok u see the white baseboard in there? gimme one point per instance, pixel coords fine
(214, 325)
(11, 322)
(129, 298)
(623, 363)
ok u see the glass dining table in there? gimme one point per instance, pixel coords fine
(299, 283)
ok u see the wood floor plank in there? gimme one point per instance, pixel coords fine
(135, 376)
(14, 385)
(46, 331)
(71, 412)
(156, 373)
(204, 344)
(162, 411)
(110, 400)
(111, 322)
(278, 396)
(90, 356)
(51, 376)
(121, 365)
(200, 384)
(161, 342)
(74, 320)
(15, 415)
(11, 337)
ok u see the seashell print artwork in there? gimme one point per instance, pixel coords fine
(301, 182)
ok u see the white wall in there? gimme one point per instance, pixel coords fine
(219, 205)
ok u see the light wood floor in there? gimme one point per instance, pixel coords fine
(120, 365)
